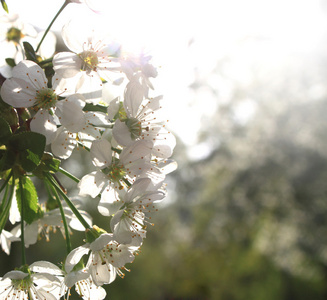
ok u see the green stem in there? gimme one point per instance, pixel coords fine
(22, 237)
(6, 181)
(63, 217)
(67, 200)
(46, 61)
(53, 20)
(69, 175)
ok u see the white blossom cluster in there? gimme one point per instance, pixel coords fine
(128, 144)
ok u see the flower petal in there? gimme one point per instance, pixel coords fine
(101, 153)
(75, 256)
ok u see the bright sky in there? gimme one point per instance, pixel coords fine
(184, 35)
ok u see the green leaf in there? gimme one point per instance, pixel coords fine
(26, 190)
(29, 52)
(48, 164)
(5, 206)
(30, 146)
(7, 159)
(4, 5)
(5, 131)
(10, 62)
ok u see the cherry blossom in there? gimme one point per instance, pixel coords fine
(29, 88)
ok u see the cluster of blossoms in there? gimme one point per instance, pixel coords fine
(52, 103)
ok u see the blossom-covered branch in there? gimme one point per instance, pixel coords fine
(51, 104)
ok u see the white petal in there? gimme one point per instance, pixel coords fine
(14, 213)
(102, 274)
(46, 267)
(15, 275)
(109, 203)
(32, 73)
(101, 242)
(138, 188)
(31, 232)
(97, 118)
(122, 133)
(73, 36)
(44, 123)
(101, 153)
(75, 256)
(113, 108)
(74, 277)
(5, 242)
(167, 166)
(122, 256)
(134, 95)
(71, 115)
(138, 150)
(92, 184)
(67, 64)
(90, 86)
(64, 143)
(77, 225)
(14, 91)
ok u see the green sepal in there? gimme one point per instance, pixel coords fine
(30, 147)
(48, 164)
(10, 62)
(79, 266)
(93, 233)
(5, 131)
(32, 209)
(29, 52)
(49, 73)
(92, 107)
(5, 6)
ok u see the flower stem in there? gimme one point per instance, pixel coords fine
(69, 175)
(46, 61)
(22, 237)
(63, 217)
(6, 181)
(53, 20)
(69, 203)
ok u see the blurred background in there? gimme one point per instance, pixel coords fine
(245, 89)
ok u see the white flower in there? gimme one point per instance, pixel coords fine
(143, 122)
(116, 172)
(107, 258)
(28, 285)
(28, 88)
(65, 141)
(90, 60)
(71, 275)
(13, 32)
(84, 286)
(129, 222)
(132, 64)
(51, 221)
